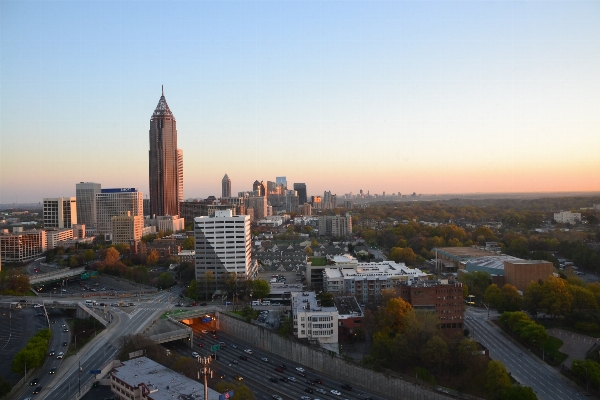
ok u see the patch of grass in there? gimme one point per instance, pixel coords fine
(318, 261)
(551, 349)
(169, 313)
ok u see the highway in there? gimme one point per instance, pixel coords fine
(527, 369)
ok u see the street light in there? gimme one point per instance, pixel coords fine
(76, 339)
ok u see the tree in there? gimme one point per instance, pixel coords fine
(152, 258)
(583, 299)
(496, 379)
(192, 291)
(165, 280)
(112, 256)
(435, 353)
(308, 251)
(89, 255)
(477, 281)
(188, 243)
(400, 254)
(260, 288)
(556, 298)
(511, 299)
(326, 299)
(532, 298)
(493, 296)
(519, 393)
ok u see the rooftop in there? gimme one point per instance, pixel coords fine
(162, 382)
(463, 253)
(347, 307)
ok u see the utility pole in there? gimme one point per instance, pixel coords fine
(206, 371)
(79, 378)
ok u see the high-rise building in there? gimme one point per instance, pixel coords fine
(60, 212)
(301, 189)
(165, 162)
(259, 188)
(305, 209)
(126, 228)
(336, 225)
(223, 246)
(281, 180)
(85, 195)
(113, 203)
(259, 204)
(329, 200)
(225, 187)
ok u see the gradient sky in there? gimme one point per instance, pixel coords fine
(410, 96)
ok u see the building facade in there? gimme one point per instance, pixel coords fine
(305, 209)
(300, 188)
(126, 228)
(521, 273)
(259, 205)
(313, 322)
(167, 223)
(114, 202)
(54, 237)
(567, 217)
(164, 162)
(85, 195)
(223, 246)
(336, 225)
(22, 246)
(60, 212)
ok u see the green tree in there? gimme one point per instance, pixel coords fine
(192, 291)
(519, 393)
(583, 299)
(493, 296)
(326, 299)
(556, 298)
(496, 379)
(511, 299)
(532, 298)
(435, 353)
(260, 288)
(188, 243)
(405, 255)
(165, 280)
(477, 281)
(89, 255)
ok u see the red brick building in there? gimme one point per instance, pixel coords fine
(445, 299)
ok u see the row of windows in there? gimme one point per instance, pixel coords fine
(320, 326)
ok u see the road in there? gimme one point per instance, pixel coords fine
(527, 369)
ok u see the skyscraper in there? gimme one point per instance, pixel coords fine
(60, 212)
(114, 202)
(301, 189)
(281, 180)
(165, 162)
(226, 187)
(85, 194)
(259, 188)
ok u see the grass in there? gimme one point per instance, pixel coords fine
(169, 313)
(318, 261)
(551, 350)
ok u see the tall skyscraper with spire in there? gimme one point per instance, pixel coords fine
(226, 187)
(165, 162)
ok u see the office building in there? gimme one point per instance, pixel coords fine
(113, 203)
(225, 187)
(300, 188)
(126, 228)
(305, 209)
(259, 188)
(22, 246)
(164, 162)
(193, 209)
(55, 236)
(567, 217)
(336, 225)
(317, 202)
(166, 223)
(60, 212)
(85, 195)
(223, 246)
(291, 201)
(144, 379)
(312, 321)
(329, 200)
(259, 205)
(281, 180)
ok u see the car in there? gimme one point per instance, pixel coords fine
(345, 386)
(52, 352)
(276, 397)
(322, 391)
(300, 369)
(244, 358)
(64, 344)
(203, 304)
(274, 380)
(52, 370)
(310, 383)
(305, 398)
(238, 378)
(302, 374)
(233, 346)
(214, 336)
(336, 392)
(265, 359)
(60, 355)
(34, 382)
(292, 379)
(53, 322)
(248, 351)
(283, 379)
(308, 390)
(234, 361)
(317, 380)
(63, 326)
(278, 369)
(282, 366)
(66, 330)
(195, 355)
(200, 345)
(37, 390)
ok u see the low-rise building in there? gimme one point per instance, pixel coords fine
(22, 246)
(521, 273)
(350, 318)
(187, 256)
(55, 236)
(166, 223)
(313, 322)
(567, 217)
(143, 379)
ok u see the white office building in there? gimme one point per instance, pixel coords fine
(313, 322)
(60, 212)
(115, 202)
(54, 237)
(567, 217)
(223, 245)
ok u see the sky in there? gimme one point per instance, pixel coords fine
(395, 96)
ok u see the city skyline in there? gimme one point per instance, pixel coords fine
(425, 97)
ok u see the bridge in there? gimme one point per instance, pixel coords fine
(56, 276)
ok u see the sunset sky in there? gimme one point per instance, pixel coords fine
(409, 96)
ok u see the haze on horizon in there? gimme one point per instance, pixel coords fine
(426, 97)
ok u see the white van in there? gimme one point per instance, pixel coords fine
(256, 302)
(266, 303)
(91, 302)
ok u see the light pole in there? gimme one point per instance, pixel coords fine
(205, 361)
(76, 339)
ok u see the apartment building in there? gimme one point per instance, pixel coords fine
(22, 246)
(313, 322)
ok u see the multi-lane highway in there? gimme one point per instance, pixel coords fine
(527, 369)
(262, 377)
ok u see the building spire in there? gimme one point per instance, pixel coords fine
(163, 89)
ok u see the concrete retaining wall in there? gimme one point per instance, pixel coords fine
(325, 362)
